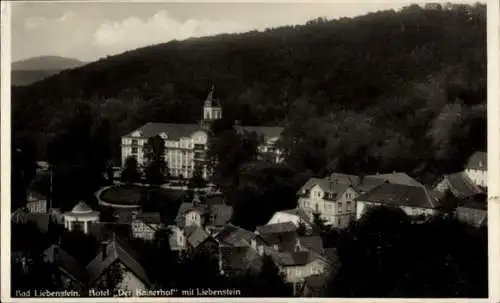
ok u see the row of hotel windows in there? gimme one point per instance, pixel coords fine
(135, 143)
(329, 206)
(347, 195)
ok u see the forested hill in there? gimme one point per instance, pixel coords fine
(424, 62)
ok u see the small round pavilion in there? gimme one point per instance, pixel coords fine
(81, 216)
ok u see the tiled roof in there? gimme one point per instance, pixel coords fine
(370, 182)
(239, 258)
(55, 254)
(462, 186)
(400, 195)
(116, 250)
(222, 213)
(235, 236)
(478, 160)
(313, 243)
(276, 228)
(351, 180)
(174, 131)
(197, 237)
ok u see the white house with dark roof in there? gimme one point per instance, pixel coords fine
(477, 168)
(413, 200)
(332, 198)
(81, 216)
(459, 184)
(186, 144)
(367, 183)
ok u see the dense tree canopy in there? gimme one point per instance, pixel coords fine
(387, 255)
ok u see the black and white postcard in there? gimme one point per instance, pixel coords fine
(230, 150)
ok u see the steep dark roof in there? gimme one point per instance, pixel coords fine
(370, 182)
(462, 186)
(475, 203)
(56, 255)
(478, 160)
(174, 131)
(235, 236)
(197, 236)
(36, 195)
(313, 243)
(400, 195)
(116, 250)
(351, 180)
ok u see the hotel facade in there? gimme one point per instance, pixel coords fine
(186, 144)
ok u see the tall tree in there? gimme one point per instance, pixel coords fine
(154, 152)
(130, 173)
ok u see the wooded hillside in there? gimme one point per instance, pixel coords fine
(389, 90)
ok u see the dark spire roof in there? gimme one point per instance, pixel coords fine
(211, 100)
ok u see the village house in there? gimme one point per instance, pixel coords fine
(145, 224)
(196, 212)
(477, 168)
(72, 274)
(298, 265)
(80, 217)
(459, 184)
(186, 144)
(332, 199)
(117, 253)
(413, 200)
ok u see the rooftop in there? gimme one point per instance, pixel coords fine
(478, 160)
(401, 195)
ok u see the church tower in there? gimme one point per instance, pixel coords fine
(211, 109)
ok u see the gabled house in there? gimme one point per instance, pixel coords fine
(332, 199)
(473, 211)
(72, 274)
(279, 236)
(145, 224)
(298, 265)
(477, 168)
(116, 254)
(195, 212)
(239, 249)
(459, 184)
(413, 200)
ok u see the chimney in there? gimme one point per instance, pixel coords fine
(104, 252)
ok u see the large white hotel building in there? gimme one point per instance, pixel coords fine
(186, 144)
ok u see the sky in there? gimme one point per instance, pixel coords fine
(92, 29)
